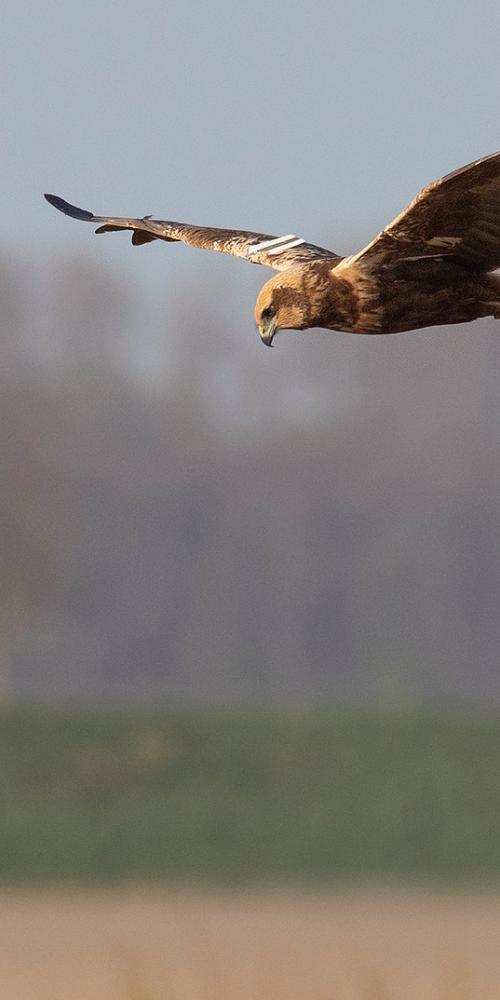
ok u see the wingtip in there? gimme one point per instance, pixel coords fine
(71, 210)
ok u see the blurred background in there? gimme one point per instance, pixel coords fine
(249, 600)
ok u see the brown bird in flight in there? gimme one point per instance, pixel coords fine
(430, 266)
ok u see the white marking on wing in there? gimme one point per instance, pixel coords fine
(257, 247)
(287, 246)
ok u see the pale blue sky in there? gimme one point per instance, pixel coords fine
(321, 118)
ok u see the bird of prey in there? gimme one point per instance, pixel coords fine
(430, 266)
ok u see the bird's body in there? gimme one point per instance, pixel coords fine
(431, 266)
(429, 294)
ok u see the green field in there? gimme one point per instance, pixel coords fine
(235, 798)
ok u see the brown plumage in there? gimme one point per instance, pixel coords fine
(428, 267)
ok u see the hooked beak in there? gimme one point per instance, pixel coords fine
(267, 331)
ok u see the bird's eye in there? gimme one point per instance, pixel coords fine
(267, 312)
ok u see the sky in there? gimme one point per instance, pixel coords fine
(321, 118)
(318, 118)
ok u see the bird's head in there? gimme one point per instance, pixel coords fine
(297, 299)
(281, 305)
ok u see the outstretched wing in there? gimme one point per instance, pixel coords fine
(456, 217)
(279, 252)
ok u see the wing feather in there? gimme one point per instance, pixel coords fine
(457, 217)
(279, 253)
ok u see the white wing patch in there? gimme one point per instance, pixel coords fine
(275, 246)
(288, 246)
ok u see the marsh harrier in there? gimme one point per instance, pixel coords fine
(430, 266)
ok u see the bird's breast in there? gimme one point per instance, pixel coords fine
(357, 302)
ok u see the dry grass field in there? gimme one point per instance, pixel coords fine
(132, 944)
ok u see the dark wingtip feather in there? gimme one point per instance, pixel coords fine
(72, 210)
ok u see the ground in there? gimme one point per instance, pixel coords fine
(152, 944)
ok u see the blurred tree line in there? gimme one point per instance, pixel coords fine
(186, 516)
